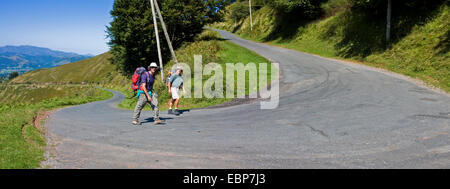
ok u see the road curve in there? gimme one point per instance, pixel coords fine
(331, 115)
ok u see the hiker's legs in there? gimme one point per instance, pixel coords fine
(170, 103)
(176, 103)
(154, 105)
(139, 106)
(175, 96)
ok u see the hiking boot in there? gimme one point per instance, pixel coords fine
(176, 112)
(158, 121)
(170, 111)
(135, 122)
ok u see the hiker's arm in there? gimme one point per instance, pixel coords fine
(184, 91)
(146, 92)
(170, 85)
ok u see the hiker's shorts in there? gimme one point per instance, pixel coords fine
(175, 92)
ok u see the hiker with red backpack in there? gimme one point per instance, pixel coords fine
(142, 82)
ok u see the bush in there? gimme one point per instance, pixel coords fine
(13, 75)
(332, 7)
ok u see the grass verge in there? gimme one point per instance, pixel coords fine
(22, 144)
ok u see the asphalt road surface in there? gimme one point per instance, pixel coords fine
(331, 115)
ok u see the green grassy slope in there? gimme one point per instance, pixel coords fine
(424, 53)
(22, 143)
(420, 48)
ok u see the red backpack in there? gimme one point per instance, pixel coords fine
(136, 79)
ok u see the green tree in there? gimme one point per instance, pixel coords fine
(217, 10)
(132, 36)
(239, 11)
(13, 75)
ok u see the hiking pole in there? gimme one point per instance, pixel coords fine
(157, 40)
(165, 32)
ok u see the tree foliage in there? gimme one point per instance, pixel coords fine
(298, 8)
(217, 10)
(378, 7)
(308, 9)
(13, 75)
(239, 11)
(132, 36)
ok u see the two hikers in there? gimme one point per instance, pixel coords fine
(175, 83)
(143, 81)
(146, 94)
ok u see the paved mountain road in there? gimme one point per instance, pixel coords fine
(331, 115)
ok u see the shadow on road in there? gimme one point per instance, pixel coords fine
(182, 111)
(151, 120)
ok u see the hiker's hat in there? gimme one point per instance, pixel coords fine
(153, 65)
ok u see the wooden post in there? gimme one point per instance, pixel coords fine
(165, 32)
(251, 20)
(157, 41)
(388, 23)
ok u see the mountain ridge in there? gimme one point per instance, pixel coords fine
(25, 58)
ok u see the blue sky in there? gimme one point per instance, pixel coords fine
(67, 25)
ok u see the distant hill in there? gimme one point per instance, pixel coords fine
(26, 58)
(97, 69)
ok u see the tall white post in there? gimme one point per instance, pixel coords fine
(251, 20)
(157, 41)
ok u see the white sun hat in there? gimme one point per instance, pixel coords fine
(153, 65)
